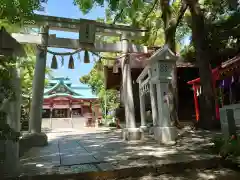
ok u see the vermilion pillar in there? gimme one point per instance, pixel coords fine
(196, 101)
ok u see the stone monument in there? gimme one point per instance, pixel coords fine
(10, 108)
(161, 68)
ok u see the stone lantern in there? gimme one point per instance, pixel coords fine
(160, 72)
(11, 109)
(9, 46)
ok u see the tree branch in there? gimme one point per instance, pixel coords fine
(117, 16)
(149, 12)
(181, 13)
(166, 12)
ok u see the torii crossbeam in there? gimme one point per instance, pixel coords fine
(75, 25)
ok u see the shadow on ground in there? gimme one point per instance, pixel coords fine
(92, 151)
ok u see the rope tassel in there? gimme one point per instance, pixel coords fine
(79, 56)
(86, 57)
(54, 64)
(62, 61)
(71, 63)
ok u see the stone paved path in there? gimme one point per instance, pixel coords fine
(90, 149)
(213, 174)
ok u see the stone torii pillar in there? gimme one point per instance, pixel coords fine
(130, 132)
(35, 136)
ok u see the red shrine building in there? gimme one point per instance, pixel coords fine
(62, 99)
(226, 84)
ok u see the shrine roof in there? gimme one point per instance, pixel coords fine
(226, 69)
(62, 86)
(71, 96)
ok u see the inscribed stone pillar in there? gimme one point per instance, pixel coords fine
(131, 132)
(162, 89)
(161, 74)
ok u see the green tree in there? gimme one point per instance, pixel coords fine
(17, 10)
(26, 65)
(212, 23)
(201, 13)
(95, 79)
(160, 17)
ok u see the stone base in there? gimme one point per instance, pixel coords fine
(143, 128)
(166, 135)
(32, 140)
(132, 134)
(10, 166)
(151, 131)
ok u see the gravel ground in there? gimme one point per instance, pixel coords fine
(213, 174)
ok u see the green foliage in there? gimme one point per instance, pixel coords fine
(26, 66)
(218, 142)
(188, 53)
(112, 124)
(6, 132)
(6, 64)
(86, 5)
(18, 10)
(222, 19)
(95, 79)
(226, 148)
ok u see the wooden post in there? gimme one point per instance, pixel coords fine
(51, 118)
(196, 101)
(71, 118)
(38, 84)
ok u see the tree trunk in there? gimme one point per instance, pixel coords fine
(170, 34)
(170, 27)
(208, 115)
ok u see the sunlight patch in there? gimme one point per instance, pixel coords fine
(206, 176)
(39, 165)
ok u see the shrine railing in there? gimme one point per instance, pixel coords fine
(144, 86)
(143, 74)
(143, 80)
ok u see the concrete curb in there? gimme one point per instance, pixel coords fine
(138, 171)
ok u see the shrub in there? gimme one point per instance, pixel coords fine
(109, 117)
(112, 124)
(218, 143)
(100, 124)
(227, 148)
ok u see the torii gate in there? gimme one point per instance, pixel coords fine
(87, 29)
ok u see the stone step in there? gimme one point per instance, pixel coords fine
(139, 171)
